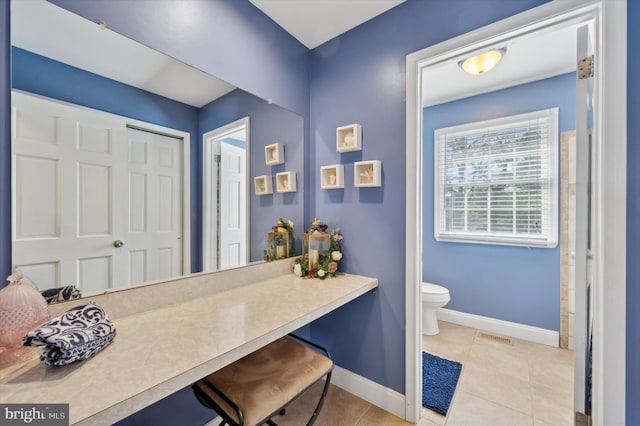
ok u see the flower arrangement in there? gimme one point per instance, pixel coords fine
(283, 225)
(327, 262)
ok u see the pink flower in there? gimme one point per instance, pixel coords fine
(332, 267)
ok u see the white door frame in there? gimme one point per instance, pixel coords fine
(209, 181)
(609, 180)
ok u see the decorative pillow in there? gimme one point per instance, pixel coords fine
(73, 336)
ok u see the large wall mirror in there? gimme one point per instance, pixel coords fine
(131, 167)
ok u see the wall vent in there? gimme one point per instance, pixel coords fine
(495, 338)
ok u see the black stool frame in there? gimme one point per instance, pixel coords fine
(205, 400)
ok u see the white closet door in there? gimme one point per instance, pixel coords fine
(153, 243)
(95, 204)
(67, 164)
(233, 237)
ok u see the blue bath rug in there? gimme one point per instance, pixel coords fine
(439, 379)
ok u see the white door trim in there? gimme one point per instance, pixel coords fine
(609, 185)
(209, 203)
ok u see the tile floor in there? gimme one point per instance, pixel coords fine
(521, 383)
(501, 384)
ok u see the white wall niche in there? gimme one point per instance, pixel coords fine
(274, 154)
(367, 173)
(286, 182)
(349, 138)
(332, 177)
(263, 185)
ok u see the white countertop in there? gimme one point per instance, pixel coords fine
(161, 351)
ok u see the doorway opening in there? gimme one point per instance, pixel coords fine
(605, 189)
(225, 198)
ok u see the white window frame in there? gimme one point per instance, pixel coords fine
(548, 236)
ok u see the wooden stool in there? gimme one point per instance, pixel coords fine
(255, 388)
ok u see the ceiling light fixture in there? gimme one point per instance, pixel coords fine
(483, 62)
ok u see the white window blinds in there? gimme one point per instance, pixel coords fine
(496, 181)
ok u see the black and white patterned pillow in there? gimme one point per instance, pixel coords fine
(73, 336)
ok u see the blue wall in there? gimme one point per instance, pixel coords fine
(359, 77)
(518, 284)
(633, 214)
(268, 124)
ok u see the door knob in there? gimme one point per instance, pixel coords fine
(118, 243)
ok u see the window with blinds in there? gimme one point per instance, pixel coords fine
(496, 181)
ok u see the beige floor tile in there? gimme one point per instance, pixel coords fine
(432, 416)
(552, 405)
(427, 422)
(453, 342)
(375, 416)
(553, 371)
(561, 395)
(471, 410)
(497, 387)
(499, 357)
(537, 422)
(340, 408)
(449, 350)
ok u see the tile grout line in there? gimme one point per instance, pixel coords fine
(362, 415)
(464, 363)
(530, 368)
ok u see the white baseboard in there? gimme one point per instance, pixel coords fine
(506, 328)
(372, 392)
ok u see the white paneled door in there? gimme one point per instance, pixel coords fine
(153, 209)
(225, 199)
(95, 204)
(233, 247)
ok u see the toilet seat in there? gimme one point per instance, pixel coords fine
(429, 288)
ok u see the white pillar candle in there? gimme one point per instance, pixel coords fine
(314, 256)
(280, 252)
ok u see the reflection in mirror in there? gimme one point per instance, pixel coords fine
(115, 147)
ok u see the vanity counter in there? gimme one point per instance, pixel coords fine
(160, 351)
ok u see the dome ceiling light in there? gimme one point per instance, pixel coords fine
(483, 62)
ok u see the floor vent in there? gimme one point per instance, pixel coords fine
(494, 338)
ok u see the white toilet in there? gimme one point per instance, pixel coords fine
(433, 297)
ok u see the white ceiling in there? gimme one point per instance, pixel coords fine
(314, 22)
(48, 30)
